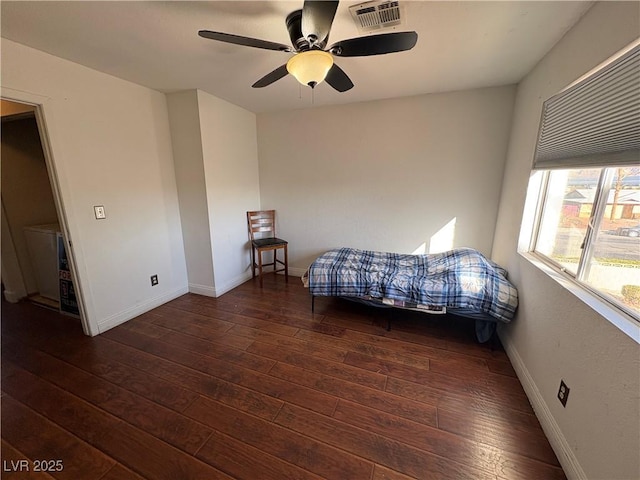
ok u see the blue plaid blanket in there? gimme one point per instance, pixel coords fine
(460, 278)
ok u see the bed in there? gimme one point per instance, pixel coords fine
(460, 282)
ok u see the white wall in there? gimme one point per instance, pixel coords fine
(216, 159)
(192, 190)
(386, 175)
(111, 145)
(230, 153)
(555, 335)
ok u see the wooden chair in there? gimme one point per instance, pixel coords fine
(262, 232)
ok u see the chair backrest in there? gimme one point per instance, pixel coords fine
(262, 224)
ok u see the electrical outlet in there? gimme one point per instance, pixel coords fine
(563, 393)
(154, 280)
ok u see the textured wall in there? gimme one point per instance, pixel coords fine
(556, 335)
(111, 146)
(386, 175)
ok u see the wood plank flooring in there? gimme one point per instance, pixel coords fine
(252, 385)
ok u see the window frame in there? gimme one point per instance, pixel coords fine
(575, 281)
(576, 129)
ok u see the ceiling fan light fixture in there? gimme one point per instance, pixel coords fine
(310, 67)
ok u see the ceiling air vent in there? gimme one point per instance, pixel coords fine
(377, 15)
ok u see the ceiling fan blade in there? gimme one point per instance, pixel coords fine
(317, 17)
(338, 79)
(375, 44)
(246, 41)
(271, 77)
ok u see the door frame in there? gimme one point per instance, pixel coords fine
(43, 116)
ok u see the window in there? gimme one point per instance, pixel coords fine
(589, 227)
(588, 156)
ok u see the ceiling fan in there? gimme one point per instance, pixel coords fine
(309, 32)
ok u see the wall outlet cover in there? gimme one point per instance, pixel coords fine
(99, 212)
(563, 393)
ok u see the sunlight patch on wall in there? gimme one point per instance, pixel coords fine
(529, 213)
(420, 250)
(443, 239)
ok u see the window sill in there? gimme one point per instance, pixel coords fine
(618, 318)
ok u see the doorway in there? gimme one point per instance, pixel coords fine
(33, 242)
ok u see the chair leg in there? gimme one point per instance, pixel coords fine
(286, 265)
(253, 262)
(260, 266)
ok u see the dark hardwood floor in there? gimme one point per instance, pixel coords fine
(254, 386)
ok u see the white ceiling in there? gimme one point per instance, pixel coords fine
(461, 45)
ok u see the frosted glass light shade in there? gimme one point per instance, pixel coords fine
(311, 67)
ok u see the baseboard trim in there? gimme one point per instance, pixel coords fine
(126, 315)
(208, 291)
(297, 272)
(559, 443)
(205, 290)
(238, 280)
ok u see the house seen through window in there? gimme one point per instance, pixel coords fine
(589, 227)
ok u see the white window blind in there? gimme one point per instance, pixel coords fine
(595, 122)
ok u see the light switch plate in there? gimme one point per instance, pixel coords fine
(99, 211)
